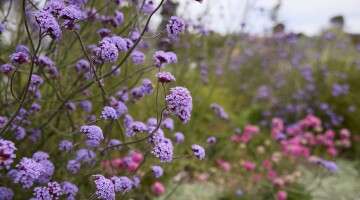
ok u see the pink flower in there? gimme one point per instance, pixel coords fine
(281, 195)
(332, 151)
(235, 138)
(267, 164)
(251, 129)
(344, 133)
(249, 166)
(137, 157)
(158, 188)
(256, 177)
(272, 174)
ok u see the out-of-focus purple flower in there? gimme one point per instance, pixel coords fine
(70, 14)
(2, 28)
(219, 111)
(120, 43)
(104, 32)
(113, 142)
(168, 123)
(135, 127)
(29, 171)
(163, 150)
(338, 89)
(36, 79)
(119, 106)
(69, 189)
(108, 50)
(7, 154)
(86, 105)
(122, 184)
(6, 68)
(85, 155)
(77, 3)
(180, 103)
(134, 34)
(6, 193)
(147, 87)
(93, 132)
(73, 166)
(82, 66)
(152, 122)
(148, 7)
(48, 171)
(135, 182)
(19, 58)
(165, 77)
(239, 192)
(104, 187)
(198, 151)
(127, 120)
(138, 57)
(211, 140)
(116, 72)
(172, 57)
(40, 155)
(52, 191)
(22, 48)
(178, 137)
(161, 57)
(92, 143)
(70, 105)
(19, 133)
(157, 170)
(108, 113)
(175, 26)
(65, 145)
(48, 23)
(54, 7)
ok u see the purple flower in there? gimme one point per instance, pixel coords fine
(158, 171)
(48, 23)
(211, 140)
(52, 191)
(6, 193)
(6, 68)
(29, 171)
(147, 87)
(175, 26)
(108, 50)
(152, 122)
(127, 120)
(19, 133)
(65, 145)
(180, 103)
(108, 113)
(48, 171)
(198, 151)
(163, 150)
(179, 137)
(135, 182)
(73, 166)
(93, 132)
(40, 155)
(161, 57)
(148, 7)
(92, 143)
(7, 154)
(70, 106)
(134, 34)
(69, 189)
(104, 32)
(138, 57)
(82, 66)
(116, 72)
(122, 184)
(239, 192)
(36, 79)
(219, 111)
(2, 27)
(104, 187)
(54, 7)
(119, 106)
(35, 107)
(77, 3)
(168, 123)
(70, 13)
(172, 57)
(19, 58)
(135, 127)
(85, 155)
(86, 105)
(113, 142)
(165, 77)
(120, 43)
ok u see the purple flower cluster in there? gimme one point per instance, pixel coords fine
(175, 26)
(7, 154)
(138, 57)
(219, 111)
(65, 145)
(69, 190)
(6, 68)
(108, 113)
(180, 103)
(162, 57)
(85, 155)
(165, 77)
(104, 187)
(48, 23)
(73, 166)
(198, 151)
(122, 184)
(6, 193)
(179, 138)
(28, 172)
(168, 123)
(52, 191)
(135, 127)
(93, 132)
(163, 150)
(108, 50)
(157, 170)
(211, 140)
(19, 58)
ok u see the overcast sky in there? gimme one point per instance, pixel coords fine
(308, 16)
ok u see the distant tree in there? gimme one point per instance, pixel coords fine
(337, 22)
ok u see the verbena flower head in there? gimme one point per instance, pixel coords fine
(52, 191)
(198, 151)
(108, 50)
(6, 193)
(40, 155)
(147, 86)
(108, 113)
(29, 171)
(120, 43)
(54, 7)
(19, 58)
(86, 105)
(211, 140)
(69, 189)
(161, 57)
(49, 24)
(175, 26)
(73, 166)
(135, 182)
(168, 123)
(165, 77)
(219, 111)
(93, 132)
(163, 150)
(104, 187)
(104, 32)
(19, 133)
(122, 184)
(85, 155)
(172, 57)
(65, 145)
(158, 188)
(2, 27)
(138, 57)
(148, 7)
(6, 68)
(178, 137)
(135, 127)
(157, 170)
(48, 171)
(77, 3)
(7, 154)
(180, 103)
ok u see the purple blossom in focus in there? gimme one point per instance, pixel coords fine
(7, 154)
(180, 103)
(175, 26)
(108, 113)
(93, 132)
(198, 151)
(157, 170)
(104, 187)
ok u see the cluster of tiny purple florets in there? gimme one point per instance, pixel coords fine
(180, 103)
